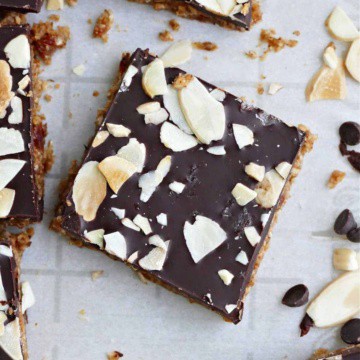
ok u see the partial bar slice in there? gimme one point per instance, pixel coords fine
(183, 181)
(349, 353)
(23, 6)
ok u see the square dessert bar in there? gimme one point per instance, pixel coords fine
(234, 15)
(23, 6)
(22, 132)
(182, 181)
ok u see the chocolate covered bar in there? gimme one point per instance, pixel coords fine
(23, 6)
(22, 132)
(183, 182)
(349, 353)
(234, 15)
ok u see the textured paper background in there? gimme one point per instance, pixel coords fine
(146, 321)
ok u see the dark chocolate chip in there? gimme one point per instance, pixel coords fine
(350, 332)
(297, 296)
(350, 133)
(354, 160)
(354, 235)
(345, 222)
(305, 325)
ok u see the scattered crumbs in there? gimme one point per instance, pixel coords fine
(336, 177)
(96, 274)
(263, 77)
(72, 2)
(175, 26)
(166, 36)
(89, 21)
(206, 45)
(103, 25)
(251, 54)
(57, 86)
(82, 312)
(260, 88)
(114, 355)
(96, 93)
(47, 97)
(54, 17)
(297, 33)
(82, 315)
(182, 81)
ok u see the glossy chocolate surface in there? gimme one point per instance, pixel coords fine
(21, 5)
(209, 181)
(26, 204)
(351, 353)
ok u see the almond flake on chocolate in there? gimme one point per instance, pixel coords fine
(341, 26)
(7, 197)
(177, 54)
(345, 259)
(242, 194)
(118, 130)
(3, 319)
(243, 135)
(6, 81)
(130, 224)
(162, 219)
(269, 190)
(204, 115)
(283, 169)
(156, 240)
(274, 88)
(330, 58)
(23, 84)
(172, 105)
(217, 150)
(116, 171)
(10, 341)
(100, 138)
(242, 258)
(9, 168)
(115, 244)
(153, 80)
(148, 107)
(16, 116)
(18, 52)
(3, 298)
(252, 235)
(353, 60)
(338, 302)
(264, 219)
(11, 142)
(89, 190)
(177, 187)
(143, 223)
(255, 171)
(155, 259)
(230, 308)
(6, 251)
(203, 237)
(130, 73)
(120, 213)
(28, 297)
(175, 139)
(135, 153)
(212, 6)
(96, 237)
(218, 94)
(226, 276)
(157, 117)
(133, 257)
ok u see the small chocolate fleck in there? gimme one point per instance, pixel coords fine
(354, 235)
(350, 133)
(350, 332)
(297, 296)
(305, 325)
(354, 160)
(345, 222)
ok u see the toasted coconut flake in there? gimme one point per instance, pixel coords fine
(130, 224)
(217, 150)
(28, 297)
(269, 190)
(353, 60)
(175, 139)
(18, 52)
(118, 130)
(100, 138)
(120, 213)
(345, 259)
(96, 237)
(284, 169)
(177, 53)
(9, 168)
(252, 235)
(177, 187)
(153, 80)
(242, 194)
(255, 171)
(115, 244)
(11, 142)
(243, 135)
(341, 26)
(143, 223)
(226, 276)
(148, 107)
(218, 95)
(155, 259)
(5, 86)
(242, 258)
(10, 341)
(274, 88)
(162, 219)
(135, 153)
(89, 190)
(157, 117)
(7, 197)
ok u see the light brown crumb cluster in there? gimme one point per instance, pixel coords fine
(47, 97)
(54, 17)
(72, 2)
(12, 18)
(182, 81)
(336, 177)
(166, 36)
(103, 25)
(46, 39)
(95, 93)
(114, 355)
(206, 45)
(175, 26)
(260, 88)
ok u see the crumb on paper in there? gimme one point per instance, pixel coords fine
(96, 93)
(252, 54)
(46, 39)
(297, 33)
(175, 26)
(89, 21)
(96, 274)
(70, 115)
(54, 17)
(103, 25)
(205, 45)
(82, 315)
(166, 36)
(182, 81)
(47, 97)
(260, 88)
(79, 70)
(57, 86)
(114, 355)
(336, 177)
(72, 2)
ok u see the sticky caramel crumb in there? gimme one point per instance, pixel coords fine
(72, 2)
(166, 36)
(260, 88)
(175, 26)
(95, 93)
(103, 25)
(206, 45)
(252, 54)
(54, 17)
(336, 177)
(182, 81)
(297, 33)
(114, 355)
(48, 97)
(57, 86)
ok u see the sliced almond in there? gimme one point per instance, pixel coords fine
(135, 153)
(269, 190)
(120, 213)
(16, 116)
(130, 73)
(230, 308)
(156, 240)
(143, 223)
(255, 171)
(118, 130)
(117, 171)
(6, 251)
(130, 224)
(153, 80)
(177, 54)
(89, 190)
(53, 5)
(204, 115)
(264, 219)
(9, 168)
(345, 259)
(217, 150)
(212, 6)
(338, 302)
(203, 237)
(226, 276)
(242, 258)
(177, 187)
(23, 84)
(162, 219)
(11, 142)
(252, 235)
(100, 138)
(115, 244)
(274, 88)
(133, 257)
(10, 341)
(7, 197)
(28, 297)
(218, 94)
(4, 306)
(284, 169)
(18, 52)
(242, 194)
(157, 117)
(175, 139)
(79, 70)
(5, 86)
(96, 237)
(148, 107)
(155, 259)
(243, 135)
(341, 26)
(330, 58)
(353, 59)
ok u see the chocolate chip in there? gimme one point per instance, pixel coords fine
(350, 133)
(354, 160)
(354, 235)
(305, 325)
(350, 332)
(297, 296)
(345, 222)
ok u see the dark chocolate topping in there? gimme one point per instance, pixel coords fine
(209, 181)
(21, 5)
(350, 353)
